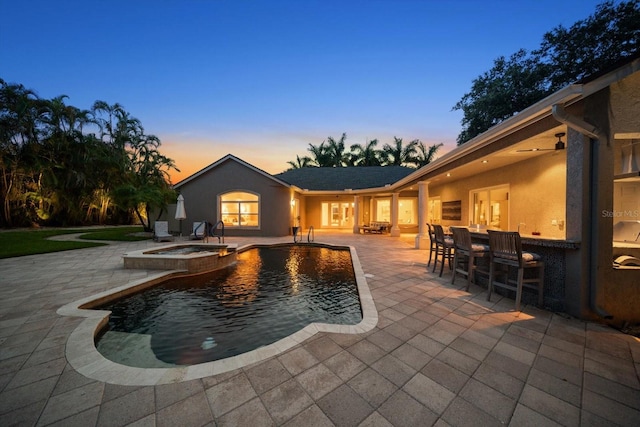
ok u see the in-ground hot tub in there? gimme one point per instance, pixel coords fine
(194, 258)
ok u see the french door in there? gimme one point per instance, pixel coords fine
(337, 215)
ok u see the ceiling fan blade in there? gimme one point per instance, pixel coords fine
(559, 145)
(536, 149)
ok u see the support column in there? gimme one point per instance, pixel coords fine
(356, 214)
(422, 239)
(395, 229)
(371, 206)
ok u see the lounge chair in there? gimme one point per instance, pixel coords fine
(161, 232)
(199, 230)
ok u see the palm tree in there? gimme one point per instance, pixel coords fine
(397, 155)
(335, 151)
(67, 162)
(366, 155)
(107, 124)
(300, 162)
(21, 114)
(426, 155)
(319, 155)
(143, 183)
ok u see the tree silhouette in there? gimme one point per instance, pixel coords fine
(606, 39)
(366, 155)
(398, 154)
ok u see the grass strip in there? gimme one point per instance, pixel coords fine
(121, 234)
(31, 242)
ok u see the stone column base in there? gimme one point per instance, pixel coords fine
(423, 241)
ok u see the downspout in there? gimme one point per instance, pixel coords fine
(574, 122)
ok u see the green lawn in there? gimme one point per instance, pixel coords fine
(30, 242)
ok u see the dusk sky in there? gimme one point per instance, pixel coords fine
(264, 79)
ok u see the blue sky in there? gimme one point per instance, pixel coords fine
(264, 79)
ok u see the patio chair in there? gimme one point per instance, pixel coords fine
(444, 247)
(506, 252)
(161, 232)
(432, 243)
(465, 255)
(199, 230)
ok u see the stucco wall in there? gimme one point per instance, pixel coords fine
(620, 293)
(201, 199)
(537, 193)
(625, 104)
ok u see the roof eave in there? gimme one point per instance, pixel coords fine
(538, 111)
(526, 117)
(236, 159)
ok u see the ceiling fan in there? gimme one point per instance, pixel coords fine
(559, 145)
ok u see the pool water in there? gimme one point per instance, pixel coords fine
(269, 294)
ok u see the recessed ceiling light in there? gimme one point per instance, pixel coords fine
(448, 174)
(485, 161)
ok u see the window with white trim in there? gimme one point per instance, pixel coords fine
(240, 209)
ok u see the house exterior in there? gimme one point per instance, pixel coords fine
(248, 200)
(252, 202)
(565, 172)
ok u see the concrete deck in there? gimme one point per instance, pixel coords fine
(438, 356)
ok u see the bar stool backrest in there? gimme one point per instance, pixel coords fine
(439, 232)
(461, 238)
(506, 246)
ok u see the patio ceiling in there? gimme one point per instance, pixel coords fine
(507, 156)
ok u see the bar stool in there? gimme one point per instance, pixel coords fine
(506, 252)
(444, 246)
(432, 243)
(465, 255)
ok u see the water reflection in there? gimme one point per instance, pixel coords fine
(269, 294)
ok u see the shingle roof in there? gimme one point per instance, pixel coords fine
(338, 179)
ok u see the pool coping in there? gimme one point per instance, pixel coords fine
(83, 356)
(220, 255)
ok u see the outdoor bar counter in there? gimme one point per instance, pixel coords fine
(554, 253)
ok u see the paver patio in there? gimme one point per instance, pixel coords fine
(438, 356)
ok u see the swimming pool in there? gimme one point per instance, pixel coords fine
(269, 294)
(82, 354)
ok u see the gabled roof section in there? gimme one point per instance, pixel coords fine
(342, 178)
(229, 157)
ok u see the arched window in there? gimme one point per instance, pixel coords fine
(240, 209)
